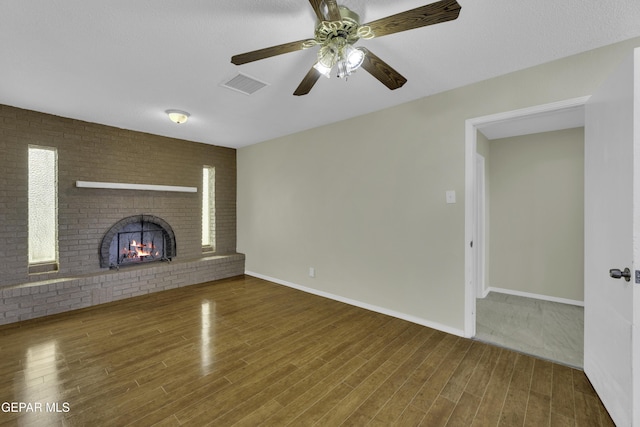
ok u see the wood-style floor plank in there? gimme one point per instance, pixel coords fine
(396, 407)
(246, 352)
(439, 413)
(562, 402)
(538, 410)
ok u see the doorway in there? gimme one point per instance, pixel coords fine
(549, 117)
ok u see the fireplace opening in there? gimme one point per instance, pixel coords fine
(138, 243)
(135, 240)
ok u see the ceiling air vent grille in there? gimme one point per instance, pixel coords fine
(245, 84)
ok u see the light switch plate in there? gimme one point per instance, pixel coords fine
(451, 196)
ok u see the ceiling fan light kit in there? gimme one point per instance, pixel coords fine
(339, 28)
(339, 51)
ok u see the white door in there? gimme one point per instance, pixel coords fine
(612, 241)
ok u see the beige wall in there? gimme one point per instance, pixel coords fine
(537, 214)
(367, 207)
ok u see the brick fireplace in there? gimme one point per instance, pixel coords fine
(93, 152)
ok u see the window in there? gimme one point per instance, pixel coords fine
(208, 208)
(43, 207)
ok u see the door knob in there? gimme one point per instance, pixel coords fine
(617, 274)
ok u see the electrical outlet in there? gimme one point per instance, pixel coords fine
(312, 272)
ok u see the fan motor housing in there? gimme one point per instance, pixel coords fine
(347, 27)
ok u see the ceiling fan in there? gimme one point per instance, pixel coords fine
(339, 28)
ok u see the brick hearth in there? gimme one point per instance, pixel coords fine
(38, 299)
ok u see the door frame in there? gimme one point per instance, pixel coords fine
(479, 242)
(539, 118)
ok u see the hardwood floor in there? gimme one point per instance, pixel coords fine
(245, 352)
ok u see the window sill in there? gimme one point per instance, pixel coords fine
(43, 268)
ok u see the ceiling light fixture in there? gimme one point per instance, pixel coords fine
(328, 55)
(336, 39)
(352, 60)
(339, 27)
(177, 116)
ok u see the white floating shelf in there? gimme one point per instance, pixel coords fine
(125, 186)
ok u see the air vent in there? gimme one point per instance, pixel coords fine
(245, 84)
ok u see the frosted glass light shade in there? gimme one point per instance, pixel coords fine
(355, 58)
(177, 116)
(323, 69)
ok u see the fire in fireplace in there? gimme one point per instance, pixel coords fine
(137, 239)
(139, 243)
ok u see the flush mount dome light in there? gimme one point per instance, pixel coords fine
(177, 116)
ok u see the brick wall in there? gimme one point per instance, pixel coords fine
(93, 152)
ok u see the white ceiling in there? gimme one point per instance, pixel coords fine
(123, 63)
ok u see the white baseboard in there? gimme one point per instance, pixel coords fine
(366, 306)
(536, 296)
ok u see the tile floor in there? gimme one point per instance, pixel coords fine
(549, 330)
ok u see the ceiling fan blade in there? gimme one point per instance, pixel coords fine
(307, 83)
(434, 13)
(268, 52)
(382, 71)
(317, 8)
(333, 13)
